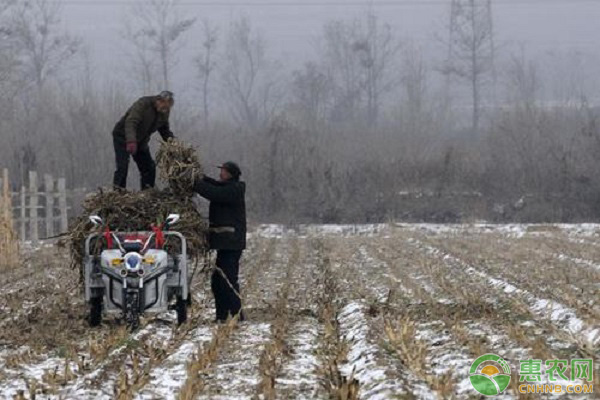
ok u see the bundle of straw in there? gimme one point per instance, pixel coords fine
(179, 166)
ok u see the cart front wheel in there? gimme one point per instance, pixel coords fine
(181, 308)
(95, 311)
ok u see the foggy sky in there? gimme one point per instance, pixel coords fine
(548, 30)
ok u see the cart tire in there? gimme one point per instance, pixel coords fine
(132, 311)
(181, 308)
(95, 311)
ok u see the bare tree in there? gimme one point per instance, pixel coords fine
(311, 94)
(359, 57)
(43, 47)
(523, 80)
(343, 68)
(206, 64)
(156, 30)
(377, 49)
(144, 65)
(414, 83)
(247, 75)
(35, 49)
(8, 52)
(471, 48)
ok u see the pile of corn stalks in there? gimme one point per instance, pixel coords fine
(137, 211)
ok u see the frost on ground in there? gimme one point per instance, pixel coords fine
(411, 307)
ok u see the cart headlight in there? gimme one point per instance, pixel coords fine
(115, 262)
(133, 261)
(149, 260)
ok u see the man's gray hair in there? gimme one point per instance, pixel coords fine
(167, 95)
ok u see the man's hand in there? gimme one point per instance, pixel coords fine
(131, 148)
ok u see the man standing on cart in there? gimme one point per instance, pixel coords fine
(131, 136)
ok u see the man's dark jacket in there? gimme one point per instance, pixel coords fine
(141, 121)
(227, 212)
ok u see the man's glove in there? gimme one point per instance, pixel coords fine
(131, 147)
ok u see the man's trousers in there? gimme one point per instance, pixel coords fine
(142, 158)
(227, 301)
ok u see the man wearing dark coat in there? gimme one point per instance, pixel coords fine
(131, 137)
(227, 235)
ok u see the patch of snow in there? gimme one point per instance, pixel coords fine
(342, 230)
(514, 230)
(309, 230)
(32, 372)
(585, 229)
(578, 261)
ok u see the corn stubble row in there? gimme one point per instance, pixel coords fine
(277, 350)
(334, 349)
(206, 355)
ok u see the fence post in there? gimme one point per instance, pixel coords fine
(62, 204)
(23, 213)
(33, 207)
(6, 196)
(8, 243)
(49, 189)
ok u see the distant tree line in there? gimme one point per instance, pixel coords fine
(369, 130)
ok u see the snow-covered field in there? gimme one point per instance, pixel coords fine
(387, 311)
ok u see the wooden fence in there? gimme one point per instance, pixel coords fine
(9, 245)
(41, 208)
